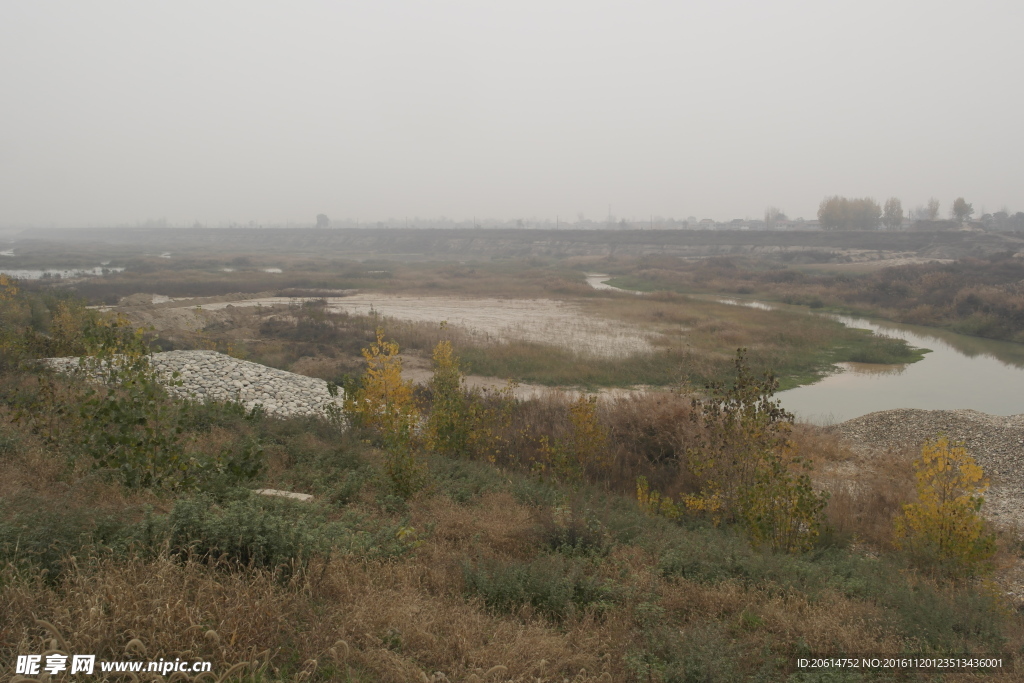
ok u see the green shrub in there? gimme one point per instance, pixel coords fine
(278, 534)
(574, 532)
(749, 470)
(935, 617)
(701, 654)
(8, 443)
(269, 533)
(555, 586)
(33, 532)
(463, 480)
(348, 486)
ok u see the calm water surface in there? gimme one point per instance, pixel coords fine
(960, 372)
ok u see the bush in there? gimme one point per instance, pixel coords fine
(749, 469)
(552, 585)
(944, 530)
(574, 531)
(277, 534)
(463, 423)
(384, 404)
(935, 618)
(35, 533)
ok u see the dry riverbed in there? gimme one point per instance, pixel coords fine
(492, 320)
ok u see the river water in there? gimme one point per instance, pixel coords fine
(960, 372)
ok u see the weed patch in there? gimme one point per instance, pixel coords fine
(553, 586)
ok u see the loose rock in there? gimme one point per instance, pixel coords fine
(214, 376)
(995, 442)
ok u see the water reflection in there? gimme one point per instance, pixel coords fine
(747, 303)
(873, 368)
(960, 372)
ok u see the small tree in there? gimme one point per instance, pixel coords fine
(749, 471)
(892, 218)
(944, 529)
(384, 404)
(962, 210)
(772, 215)
(464, 423)
(932, 210)
(448, 429)
(322, 221)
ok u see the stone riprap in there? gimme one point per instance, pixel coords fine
(210, 375)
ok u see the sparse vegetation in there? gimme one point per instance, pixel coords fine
(515, 549)
(975, 296)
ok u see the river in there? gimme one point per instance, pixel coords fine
(960, 372)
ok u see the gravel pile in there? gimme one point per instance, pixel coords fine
(995, 442)
(209, 375)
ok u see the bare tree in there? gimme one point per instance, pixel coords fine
(772, 215)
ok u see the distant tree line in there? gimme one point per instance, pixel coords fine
(843, 213)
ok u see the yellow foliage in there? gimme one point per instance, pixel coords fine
(654, 503)
(463, 423)
(584, 448)
(945, 524)
(384, 402)
(8, 290)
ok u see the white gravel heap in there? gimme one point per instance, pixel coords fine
(214, 376)
(996, 443)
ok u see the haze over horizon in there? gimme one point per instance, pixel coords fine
(235, 112)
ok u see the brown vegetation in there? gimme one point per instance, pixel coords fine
(525, 559)
(981, 297)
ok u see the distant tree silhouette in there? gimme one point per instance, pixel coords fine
(962, 210)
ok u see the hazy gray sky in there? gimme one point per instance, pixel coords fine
(117, 112)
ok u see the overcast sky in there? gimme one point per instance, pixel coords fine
(118, 112)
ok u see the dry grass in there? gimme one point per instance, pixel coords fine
(866, 494)
(491, 566)
(390, 621)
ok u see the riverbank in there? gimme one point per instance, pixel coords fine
(996, 443)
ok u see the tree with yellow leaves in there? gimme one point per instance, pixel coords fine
(384, 404)
(944, 528)
(465, 423)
